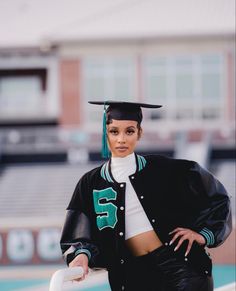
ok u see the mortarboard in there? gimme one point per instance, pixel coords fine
(120, 111)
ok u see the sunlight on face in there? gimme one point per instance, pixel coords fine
(122, 137)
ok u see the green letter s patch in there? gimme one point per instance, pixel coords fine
(107, 212)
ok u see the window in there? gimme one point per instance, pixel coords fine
(21, 91)
(156, 84)
(190, 87)
(212, 86)
(107, 79)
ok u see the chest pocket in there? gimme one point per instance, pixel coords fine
(106, 210)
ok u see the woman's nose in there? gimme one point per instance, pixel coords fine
(121, 138)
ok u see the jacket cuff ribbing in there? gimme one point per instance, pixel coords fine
(83, 251)
(208, 235)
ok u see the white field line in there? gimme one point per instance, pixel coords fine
(228, 287)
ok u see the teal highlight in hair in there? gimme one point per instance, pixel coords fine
(105, 149)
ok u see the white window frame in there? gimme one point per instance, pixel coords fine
(171, 98)
(51, 103)
(108, 71)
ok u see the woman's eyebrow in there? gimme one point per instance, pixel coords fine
(117, 128)
(113, 127)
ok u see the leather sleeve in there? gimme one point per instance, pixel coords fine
(75, 238)
(215, 220)
(76, 232)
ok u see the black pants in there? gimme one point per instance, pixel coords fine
(163, 270)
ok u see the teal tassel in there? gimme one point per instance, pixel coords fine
(105, 149)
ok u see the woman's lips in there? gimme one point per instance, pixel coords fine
(122, 148)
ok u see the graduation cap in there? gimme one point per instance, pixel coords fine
(120, 111)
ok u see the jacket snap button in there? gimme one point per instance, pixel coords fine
(122, 261)
(132, 177)
(121, 185)
(186, 259)
(121, 234)
(206, 272)
(141, 197)
(153, 220)
(122, 208)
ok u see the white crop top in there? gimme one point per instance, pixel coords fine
(136, 220)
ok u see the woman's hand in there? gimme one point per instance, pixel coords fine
(186, 234)
(82, 261)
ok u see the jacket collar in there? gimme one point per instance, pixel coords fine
(106, 168)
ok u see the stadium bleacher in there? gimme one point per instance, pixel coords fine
(225, 172)
(38, 190)
(45, 190)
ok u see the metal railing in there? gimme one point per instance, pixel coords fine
(97, 277)
(64, 275)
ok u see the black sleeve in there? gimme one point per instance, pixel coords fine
(76, 235)
(214, 221)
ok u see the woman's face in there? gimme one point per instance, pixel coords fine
(122, 137)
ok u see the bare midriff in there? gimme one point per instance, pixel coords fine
(143, 243)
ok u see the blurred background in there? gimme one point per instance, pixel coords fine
(57, 55)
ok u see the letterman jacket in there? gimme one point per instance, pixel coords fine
(173, 193)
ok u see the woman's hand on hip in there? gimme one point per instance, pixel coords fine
(186, 234)
(80, 261)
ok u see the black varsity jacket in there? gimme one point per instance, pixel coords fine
(174, 193)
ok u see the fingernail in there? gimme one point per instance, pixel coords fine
(175, 249)
(186, 254)
(170, 243)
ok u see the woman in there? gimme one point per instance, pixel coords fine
(146, 219)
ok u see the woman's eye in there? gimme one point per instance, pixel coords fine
(113, 132)
(130, 132)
